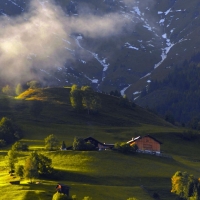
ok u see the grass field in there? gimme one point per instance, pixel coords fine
(102, 175)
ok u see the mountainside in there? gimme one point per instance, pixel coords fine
(111, 44)
(178, 95)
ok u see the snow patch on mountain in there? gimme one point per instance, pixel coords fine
(129, 46)
(137, 92)
(148, 74)
(96, 56)
(123, 90)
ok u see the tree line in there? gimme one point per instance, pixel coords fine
(180, 94)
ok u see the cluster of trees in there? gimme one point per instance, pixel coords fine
(180, 93)
(35, 165)
(51, 143)
(125, 148)
(186, 186)
(9, 132)
(125, 102)
(84, 98)
(79, 144)
(19, 88)
(115, 93)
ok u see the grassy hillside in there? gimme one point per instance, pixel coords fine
(103, 174)
(57, 109)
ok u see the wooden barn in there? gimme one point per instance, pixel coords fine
(146, 143)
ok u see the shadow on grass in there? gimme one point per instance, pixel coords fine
(71, 176)
(37, 195)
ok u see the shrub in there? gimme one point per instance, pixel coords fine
(79, 144)
(123, 147)
(87, 198)
(60, 196)
(18, 146)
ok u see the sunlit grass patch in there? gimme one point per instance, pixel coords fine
(108, 192)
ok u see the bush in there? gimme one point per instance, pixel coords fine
(87, 198)
(60, 196)
(125, 148)
(18, 146)
(79, 144)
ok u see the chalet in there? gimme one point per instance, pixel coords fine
(61, 188)
(99, 145)
(146, 143)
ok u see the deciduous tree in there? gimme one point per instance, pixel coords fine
(11, 160)
(19, 171)
(76, 98)
(91, 101)
(33, 84)
(8, 130)
(185, 185)
(7, 90)
(78, 144)
(51, 142)
(31, 168)
(18, 89)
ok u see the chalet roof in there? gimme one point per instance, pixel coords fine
(91, 138)
(140, 137)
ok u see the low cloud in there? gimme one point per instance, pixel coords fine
(40, 38)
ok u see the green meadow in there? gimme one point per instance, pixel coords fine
(102, 175)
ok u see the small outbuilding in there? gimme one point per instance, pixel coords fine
(146, 143)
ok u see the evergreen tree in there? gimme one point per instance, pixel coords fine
(63, 146)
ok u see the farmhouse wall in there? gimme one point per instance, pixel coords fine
(147, 143)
